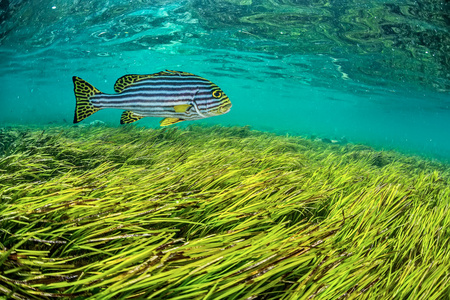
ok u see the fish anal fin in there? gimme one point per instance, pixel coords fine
(83, 94)
(181, 108)
(170, 121)
(129, 117)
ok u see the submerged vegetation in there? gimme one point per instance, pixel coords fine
(217, 213)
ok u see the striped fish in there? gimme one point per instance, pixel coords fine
(172, 95)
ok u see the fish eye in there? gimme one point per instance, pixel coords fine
(217, 94)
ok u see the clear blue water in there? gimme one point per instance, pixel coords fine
(374, 72)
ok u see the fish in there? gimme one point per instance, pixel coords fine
(175, 96)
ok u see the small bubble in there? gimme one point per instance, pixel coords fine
(53, 7)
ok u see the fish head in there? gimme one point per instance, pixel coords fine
(220, 103)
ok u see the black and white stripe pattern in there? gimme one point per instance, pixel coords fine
(157, 97)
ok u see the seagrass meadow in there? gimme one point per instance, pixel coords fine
(211, 212)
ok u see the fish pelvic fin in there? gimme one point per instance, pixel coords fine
(83, 94)
(129, 117)
(170, 121)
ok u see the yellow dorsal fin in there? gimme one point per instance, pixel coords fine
(129, 117)
(128, 80)
(170, 121)
(173, 72)
(181, 108)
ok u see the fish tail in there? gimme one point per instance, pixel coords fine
(83, 93)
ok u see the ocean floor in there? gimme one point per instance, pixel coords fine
(217, 213)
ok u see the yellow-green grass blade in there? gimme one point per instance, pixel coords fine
(217, 213)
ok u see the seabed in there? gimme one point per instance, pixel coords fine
(217, 213)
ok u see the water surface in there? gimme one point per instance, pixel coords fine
(374, 72)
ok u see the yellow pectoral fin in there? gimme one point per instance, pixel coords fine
(170, 121)
(129, 117)
(181, 108)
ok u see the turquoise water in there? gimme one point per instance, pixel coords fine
(372, 72)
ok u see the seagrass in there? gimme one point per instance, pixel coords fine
(217, 213)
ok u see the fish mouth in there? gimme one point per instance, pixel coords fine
(222, 108)
(225, 107)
